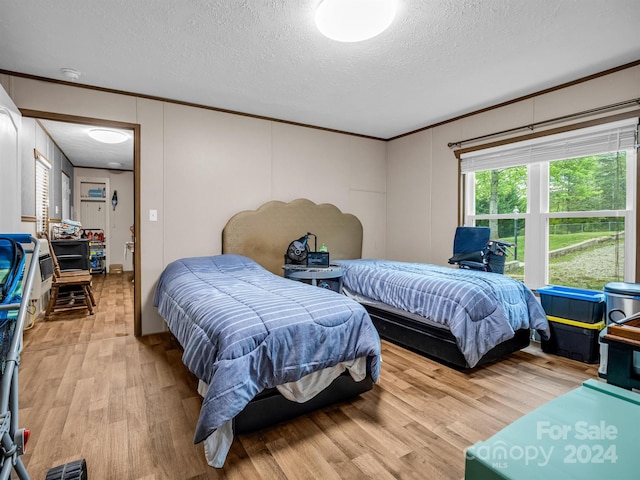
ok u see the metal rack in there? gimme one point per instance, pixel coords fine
(97, 249)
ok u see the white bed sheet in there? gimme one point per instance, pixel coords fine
(217, 445)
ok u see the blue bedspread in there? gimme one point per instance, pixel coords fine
(480, 309)
(244, 329)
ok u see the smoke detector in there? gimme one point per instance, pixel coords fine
(71, 73)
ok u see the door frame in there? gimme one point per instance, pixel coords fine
(135, 128)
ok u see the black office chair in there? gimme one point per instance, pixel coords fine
(474, 249)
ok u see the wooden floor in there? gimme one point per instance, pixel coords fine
(90, 389)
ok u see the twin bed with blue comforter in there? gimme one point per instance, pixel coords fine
(481, 310)
(244, 330)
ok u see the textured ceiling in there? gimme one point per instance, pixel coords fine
(83, 151)
(439, 59)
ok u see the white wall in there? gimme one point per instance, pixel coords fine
(199, 167)
(10, 193)
(422, 171)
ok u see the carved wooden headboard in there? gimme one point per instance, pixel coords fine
(264, 234)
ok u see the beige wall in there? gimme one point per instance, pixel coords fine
(422, 172)
(199, 167)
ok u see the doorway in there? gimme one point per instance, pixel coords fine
(130, 227)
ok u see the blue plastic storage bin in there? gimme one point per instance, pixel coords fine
(577, 304)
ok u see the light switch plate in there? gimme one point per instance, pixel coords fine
(153, 215)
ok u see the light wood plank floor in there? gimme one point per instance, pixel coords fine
(90, 389)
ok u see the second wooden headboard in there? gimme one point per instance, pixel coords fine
(264, 234)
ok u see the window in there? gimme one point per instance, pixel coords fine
(42, 192)
(567, 201)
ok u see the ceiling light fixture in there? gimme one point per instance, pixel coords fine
(108, 136)
(71, 73)
(354, 20)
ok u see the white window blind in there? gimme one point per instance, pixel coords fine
(595, 140)
(42, 192)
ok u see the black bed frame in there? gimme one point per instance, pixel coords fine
(270, 407)
(436, 342)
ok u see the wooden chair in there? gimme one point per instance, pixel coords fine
(70, 290)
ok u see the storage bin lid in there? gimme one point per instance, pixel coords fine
(574, 293)
(623, 288)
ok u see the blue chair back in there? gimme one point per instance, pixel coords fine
(469, 244)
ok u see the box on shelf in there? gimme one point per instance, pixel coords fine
(572, 303)
(575, 340)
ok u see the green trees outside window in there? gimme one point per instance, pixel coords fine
(582, 202)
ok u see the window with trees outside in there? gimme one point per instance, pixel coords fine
(566, 201)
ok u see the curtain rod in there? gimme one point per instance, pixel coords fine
(531, 126)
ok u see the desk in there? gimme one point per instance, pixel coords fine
(324, 277)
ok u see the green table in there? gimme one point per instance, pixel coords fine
(592, 432)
